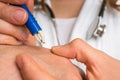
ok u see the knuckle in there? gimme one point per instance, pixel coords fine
(76, 42)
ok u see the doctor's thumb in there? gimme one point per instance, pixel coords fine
(30, 70)
(81, 51)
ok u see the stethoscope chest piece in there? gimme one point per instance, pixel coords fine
(100, 30)
(96, 29)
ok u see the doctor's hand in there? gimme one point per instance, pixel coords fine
(49, 64)
(30, 70)
(99, 65)
(12, 20)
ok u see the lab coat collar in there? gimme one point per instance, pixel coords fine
(86, 16)
(88, 13)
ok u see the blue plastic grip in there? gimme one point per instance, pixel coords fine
(31, 23)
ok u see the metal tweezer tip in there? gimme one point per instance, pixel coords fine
(40, 37)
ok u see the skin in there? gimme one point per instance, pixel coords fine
(14, 30)
(58, 67)
(12, 19)
(18, 15)
(30, 70)
(99, 65)
(17, 37)
(66, 8)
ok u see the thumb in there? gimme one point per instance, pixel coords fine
(30, 70)
(81, 51)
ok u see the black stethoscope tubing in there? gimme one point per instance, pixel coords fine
(96, 31)
(101, 13)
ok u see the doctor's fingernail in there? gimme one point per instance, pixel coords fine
(20, 16)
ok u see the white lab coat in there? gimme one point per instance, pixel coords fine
(109, 42)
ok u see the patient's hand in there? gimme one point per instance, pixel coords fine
(55, 65)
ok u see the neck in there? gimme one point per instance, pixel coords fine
(66, 8)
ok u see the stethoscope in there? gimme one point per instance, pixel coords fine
(96, 29)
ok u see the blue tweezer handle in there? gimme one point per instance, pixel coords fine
(31, 23)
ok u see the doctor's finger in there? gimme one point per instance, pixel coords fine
(13, 14)
(81, 51)
(14, 1)
(8, 40)
(31, 70)
(19, 2)
(18, 32)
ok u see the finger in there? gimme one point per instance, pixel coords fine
(81, 51)
(8, 40)
(30, 5)
(72, 49)
(14, 1)
(17, 32)
(13, 14)
(31, 70)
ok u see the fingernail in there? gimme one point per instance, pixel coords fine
(19, 16)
